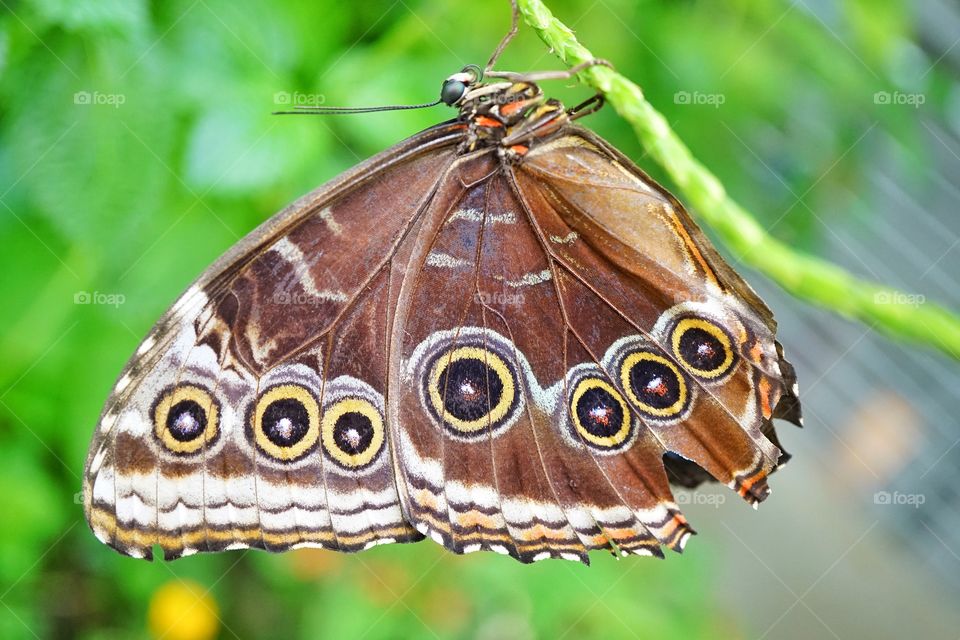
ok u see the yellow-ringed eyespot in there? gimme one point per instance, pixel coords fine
(471, 389)
(285, 422)
(703, 348)
(352, 432)
(186, 419)
(654, 385)
(600, 415)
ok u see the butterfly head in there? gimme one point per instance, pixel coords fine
(456, 87)
(507, 101)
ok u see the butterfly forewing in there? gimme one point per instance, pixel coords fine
(290, 323)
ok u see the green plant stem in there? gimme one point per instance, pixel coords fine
(897, 314)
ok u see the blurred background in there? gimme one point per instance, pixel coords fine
(136, 145)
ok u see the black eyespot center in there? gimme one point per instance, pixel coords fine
(599, 412)
(186, 420)
(285, 422)
(470, 389)
(353, 432)
(655, 383)
(702, 349)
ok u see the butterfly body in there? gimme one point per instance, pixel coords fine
(490, 335)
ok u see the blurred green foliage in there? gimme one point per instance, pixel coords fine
(136, 145)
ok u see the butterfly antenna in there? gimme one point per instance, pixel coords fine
(514, 25)
(319, 110)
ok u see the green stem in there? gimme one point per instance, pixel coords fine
(897, 314)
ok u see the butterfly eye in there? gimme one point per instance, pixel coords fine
(600, 415)
(471, 389)
(654, 385)
(185, 419)
(703, 348)
(352, 432)
(452, 91)
(286, 422)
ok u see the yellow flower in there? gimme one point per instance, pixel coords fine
(183, 610)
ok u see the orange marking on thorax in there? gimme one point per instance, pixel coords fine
(486, 121)
(513, 107)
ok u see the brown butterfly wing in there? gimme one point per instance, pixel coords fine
(253, 413)
(530, 290)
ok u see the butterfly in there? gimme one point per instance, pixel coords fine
(499, 334)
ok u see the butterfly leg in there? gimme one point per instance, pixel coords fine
(561, 74)
(514, 27)
(585, 108)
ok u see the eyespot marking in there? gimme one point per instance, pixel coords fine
(352, 432)
(703, 347)
(186, 419)
(471, 389)
(285, 422)
(654, 385)
(600, 415)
